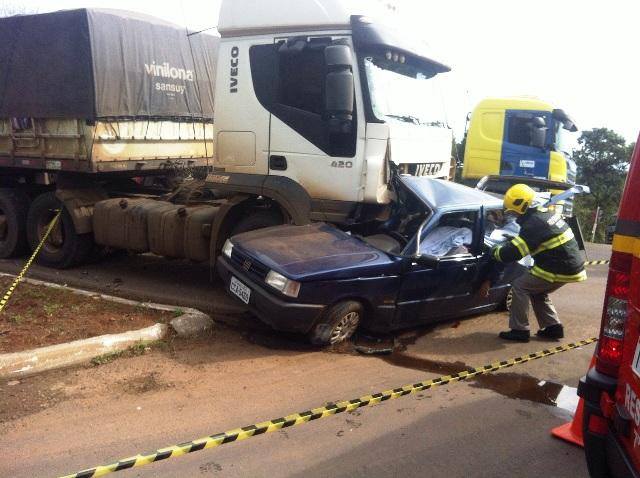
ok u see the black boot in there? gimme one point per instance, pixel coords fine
(516, 335)
(553, 332)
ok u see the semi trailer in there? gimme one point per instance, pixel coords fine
(301, 110)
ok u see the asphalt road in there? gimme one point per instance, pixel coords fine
(498, 425)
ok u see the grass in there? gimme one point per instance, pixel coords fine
(51, 309)
(17, 319)
(106, 358)
(136, 350)
(178, 313)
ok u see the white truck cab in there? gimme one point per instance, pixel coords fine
(306, 109)
(319, 99)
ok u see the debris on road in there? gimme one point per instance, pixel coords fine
(192, 324)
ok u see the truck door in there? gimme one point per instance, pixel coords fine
(519, 156)
(302, 145)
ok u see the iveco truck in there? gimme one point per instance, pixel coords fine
(301, 110)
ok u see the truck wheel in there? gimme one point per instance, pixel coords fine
(257, 220)
(337, 324)
(64, 247)
(13, 223)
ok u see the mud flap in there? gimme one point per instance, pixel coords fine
(80, 203)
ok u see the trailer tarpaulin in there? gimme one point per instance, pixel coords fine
(95, 63)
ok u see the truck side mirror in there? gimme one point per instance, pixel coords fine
(339, 88)
(538, 133)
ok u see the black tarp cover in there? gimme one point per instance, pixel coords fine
(96, 63)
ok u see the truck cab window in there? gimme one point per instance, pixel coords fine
(520, 131)
(301, 80)
(520, 128)
(289, 80)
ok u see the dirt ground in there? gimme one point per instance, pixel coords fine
(37, 316)
(497, 425)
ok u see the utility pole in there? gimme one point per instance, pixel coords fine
(595, 225)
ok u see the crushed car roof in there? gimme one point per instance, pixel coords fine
(438, 193)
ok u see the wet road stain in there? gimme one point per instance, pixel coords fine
(392, 348)
(511, 385)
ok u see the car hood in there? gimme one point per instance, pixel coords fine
(315, 252)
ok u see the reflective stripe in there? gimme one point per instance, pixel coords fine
(551, 277)
(521, 245)
(496, 253)
(623, 244)
(557, 241)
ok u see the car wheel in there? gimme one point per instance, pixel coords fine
(508, 300)
(337, 324)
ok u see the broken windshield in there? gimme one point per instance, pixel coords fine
(401, 92)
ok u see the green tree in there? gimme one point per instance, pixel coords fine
(602, 158)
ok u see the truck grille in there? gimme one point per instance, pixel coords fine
(248, 264)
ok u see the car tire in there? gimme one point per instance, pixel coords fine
(13, 227)
(257, 219)
(65, 247)
(337, 324)
(508, 300)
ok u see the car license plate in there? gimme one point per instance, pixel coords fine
(635, 365)
(240, 290)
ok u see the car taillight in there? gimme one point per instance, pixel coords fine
(614, 317)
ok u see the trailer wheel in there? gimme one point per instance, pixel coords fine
(64, 247)
(257, 219)
(337, 324)
(13, 223)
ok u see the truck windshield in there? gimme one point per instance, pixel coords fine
(566, 141)
(400, 92)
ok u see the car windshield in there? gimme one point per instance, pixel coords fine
(400, 92)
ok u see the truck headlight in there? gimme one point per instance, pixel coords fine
(227, 249)
(281, 283)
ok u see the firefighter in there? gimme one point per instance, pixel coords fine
(550, 241)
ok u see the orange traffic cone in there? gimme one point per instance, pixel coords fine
(572, 431)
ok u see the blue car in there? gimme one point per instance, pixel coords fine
(420, 260)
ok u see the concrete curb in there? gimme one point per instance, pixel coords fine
(29, 362)
(22, 364)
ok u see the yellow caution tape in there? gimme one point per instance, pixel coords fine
(10, 291)
(249, 431)
(597, 263)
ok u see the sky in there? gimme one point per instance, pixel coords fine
(576, 54)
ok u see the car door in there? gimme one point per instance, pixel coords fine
(446, 290)
(494, 232)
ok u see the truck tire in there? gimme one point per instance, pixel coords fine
(337, 324)
(64, 248)
(13, 223)
(257, 219)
